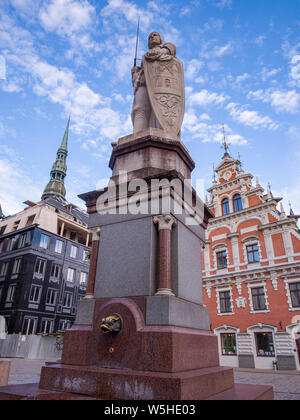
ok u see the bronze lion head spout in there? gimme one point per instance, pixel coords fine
(112, 324)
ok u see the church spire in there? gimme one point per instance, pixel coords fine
(56, 186)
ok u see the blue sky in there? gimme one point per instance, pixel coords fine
(242, 68)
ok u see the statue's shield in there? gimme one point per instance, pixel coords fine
(165, 84)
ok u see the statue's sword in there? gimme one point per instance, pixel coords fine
(137, 42)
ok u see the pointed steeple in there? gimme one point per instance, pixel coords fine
(56, 186)
(1, 213)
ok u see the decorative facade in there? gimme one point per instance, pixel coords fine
(44, 261)
(251, 272)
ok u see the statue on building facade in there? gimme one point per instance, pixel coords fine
(159, 96)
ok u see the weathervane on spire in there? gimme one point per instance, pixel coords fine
(225, 145)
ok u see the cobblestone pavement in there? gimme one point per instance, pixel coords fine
(286, 385)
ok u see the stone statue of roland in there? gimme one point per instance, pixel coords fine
(159, 98)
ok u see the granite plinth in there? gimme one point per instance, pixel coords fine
(138, 346)
(33, 392)
(149, 152)
(114, 384)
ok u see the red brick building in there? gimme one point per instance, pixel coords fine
(251, 272)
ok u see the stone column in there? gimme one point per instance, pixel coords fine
(165, 224)
(93, 263)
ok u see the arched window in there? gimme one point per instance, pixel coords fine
(237, 202)
(225, 206)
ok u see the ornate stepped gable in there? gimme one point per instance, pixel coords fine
(250, 240)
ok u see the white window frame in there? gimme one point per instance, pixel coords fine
(59, 246)
(69, 300)
(54, 294)
(288, 293)
(17, 265)
(38, 299)
(224, 289)
(74, 251)
(251, 240)
(255, 286)
(57, 269)
(42, 242)
(30, 319)
(37, 274)
(11, 292)
(4, 268)
(84, 275)
(47, 322)
(71, 270)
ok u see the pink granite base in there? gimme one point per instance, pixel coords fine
(117, 384)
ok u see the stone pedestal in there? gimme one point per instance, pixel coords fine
(145, 272)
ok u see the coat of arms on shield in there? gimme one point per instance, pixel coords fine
(165, 85)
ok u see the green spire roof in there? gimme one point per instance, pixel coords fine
(56, 186)
(64, 143)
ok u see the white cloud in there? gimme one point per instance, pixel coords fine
(197, 128)
(91, 112)
(281, 101)
(250, 118)
(67, 16)
(295, 69)
(260, 40)
(267, 74)
(16, 184)
(204, 98)
(192, 68)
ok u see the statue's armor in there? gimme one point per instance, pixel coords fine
(142, 113)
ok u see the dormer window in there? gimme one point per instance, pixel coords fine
(237, 203)
(225, 206)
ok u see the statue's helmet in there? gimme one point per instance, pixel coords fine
(154, 38)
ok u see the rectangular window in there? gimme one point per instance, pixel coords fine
(22, 240)
(67, 300)
(29, 326)
(225, 302)
(10, 245)
(55, 271)
(85, 255)
(4, 268)
(51, 297)
(222, 260)
(265, 344)
(35, 294)
(73, 252)
(228, 344)
(71, 275)
(64, 324)
(11, 293)
(253, 254)
(44, 241)
(83, 278)
(58, 246)
(40, 266)
(17, 266)
(295, 294)
(258, 298)
(47, 326)
(30, 220)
